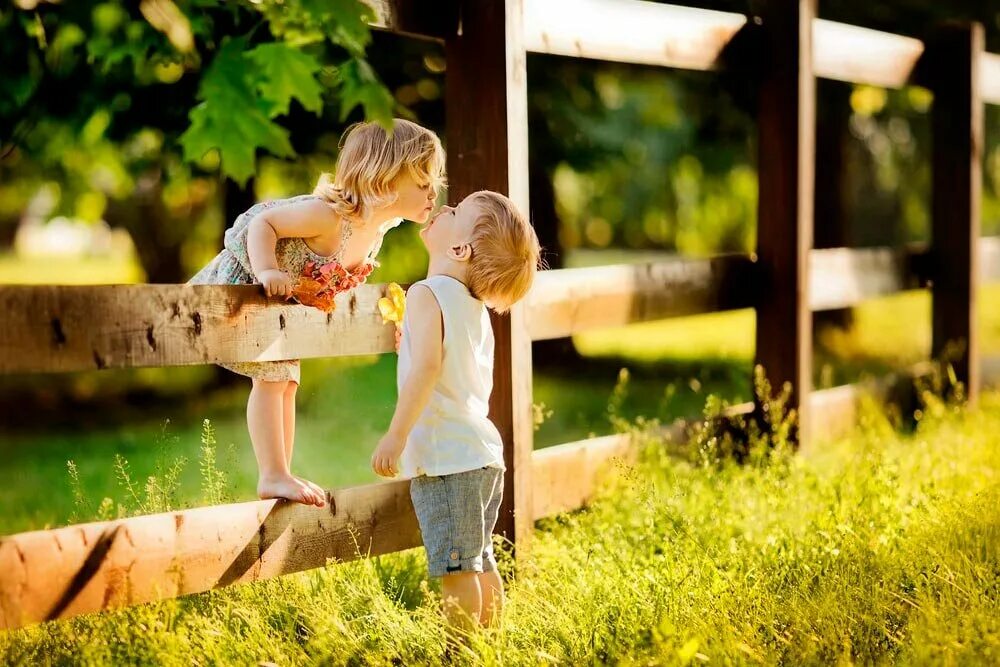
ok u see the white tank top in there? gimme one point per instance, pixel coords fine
(453, 433)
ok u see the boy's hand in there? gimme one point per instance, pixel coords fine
(386, 456)
(399, 338)
(276, 282)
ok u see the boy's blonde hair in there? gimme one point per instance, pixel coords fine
(370, 160)
(505, 252)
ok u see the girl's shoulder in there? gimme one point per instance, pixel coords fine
(308, 202)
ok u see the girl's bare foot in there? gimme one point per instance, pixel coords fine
(319, 490)
(290, 488)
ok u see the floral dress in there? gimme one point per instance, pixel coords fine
(232, 267)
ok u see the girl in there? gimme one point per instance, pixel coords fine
(380, 178)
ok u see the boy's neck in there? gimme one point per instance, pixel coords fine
(446, 267)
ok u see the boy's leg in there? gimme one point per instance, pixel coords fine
(489, 580)
(288, 422)
(265, 421)
(463, 599)
(493, 597)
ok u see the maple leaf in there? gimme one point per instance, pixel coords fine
(344, 21)
(286, 72)
(359, 84)
(231, 118)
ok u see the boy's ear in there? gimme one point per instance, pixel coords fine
(460, 253)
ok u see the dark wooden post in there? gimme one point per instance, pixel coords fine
(831, 228)
(487, 143)
(786, 160)
(953, 57)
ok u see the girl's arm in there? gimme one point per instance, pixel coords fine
(425, 339)
(305, 219)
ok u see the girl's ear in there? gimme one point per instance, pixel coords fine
(460, 253)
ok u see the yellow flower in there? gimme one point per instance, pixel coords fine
(393, 307)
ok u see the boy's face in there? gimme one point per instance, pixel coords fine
(451, 228)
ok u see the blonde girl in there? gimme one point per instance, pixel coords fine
(380, 178)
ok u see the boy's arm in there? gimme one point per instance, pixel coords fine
(425, 339)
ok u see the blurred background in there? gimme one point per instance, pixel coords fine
(106, 110)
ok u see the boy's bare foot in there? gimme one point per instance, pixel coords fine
(290, 488)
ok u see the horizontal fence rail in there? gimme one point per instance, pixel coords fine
(566, 301)
(841, 277)
(73, 328)
(632, 31)
(635, 31)
(861, 55)
(68, 571)
(53, 328)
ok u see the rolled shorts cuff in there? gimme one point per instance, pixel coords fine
(442, 567)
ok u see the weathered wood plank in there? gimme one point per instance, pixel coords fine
(90, 567)
(487, 136)
(953, 71)
(436, 20)
(861, 55)
(836, 411)
(649, 33)
(786, 158)
(989, 77)
(70, 328)
(989, 259)
(630, 31)
(568, 301)
(841, 277)
(567, 476)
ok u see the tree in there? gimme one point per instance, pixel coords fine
(137, 110)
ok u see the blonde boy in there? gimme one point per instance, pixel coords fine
(482, 253)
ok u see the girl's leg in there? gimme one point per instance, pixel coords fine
(493, 597)
(265, 421)
(463, 599)
(288, 421)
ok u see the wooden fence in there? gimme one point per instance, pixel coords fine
(84, 568)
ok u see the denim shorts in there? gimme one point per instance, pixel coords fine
(457, 514)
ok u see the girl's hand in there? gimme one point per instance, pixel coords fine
(276, 282)
(386, 456)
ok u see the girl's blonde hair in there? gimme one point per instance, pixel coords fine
(505, 252)
(372, 158)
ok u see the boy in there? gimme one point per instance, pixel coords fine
(482, 253)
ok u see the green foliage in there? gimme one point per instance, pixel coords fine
(161, 491)
(213, 480)
(756, 438)
(246, 62)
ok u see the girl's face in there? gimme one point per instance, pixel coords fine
(414, 202)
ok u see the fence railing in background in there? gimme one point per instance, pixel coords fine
(77, 569)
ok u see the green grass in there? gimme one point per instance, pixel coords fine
(881, 548)
(118, 268)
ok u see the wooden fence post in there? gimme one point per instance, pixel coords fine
(486, 115)
(786, 162)
(953, 62)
